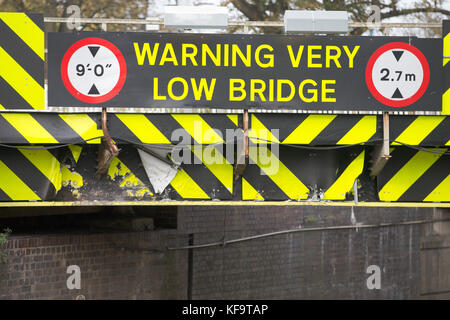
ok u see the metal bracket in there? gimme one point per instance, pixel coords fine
(108, 149)
(242, 156)
(381, 154)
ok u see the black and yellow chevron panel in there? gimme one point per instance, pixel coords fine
(33, 173)
(197, 180)
(314, 129)
(295, 174)
(446, 66)
(53, 128)
(415, 175)
(420, 130)
(22, 57)
(170, 128)
(126, 177)
(49, 128)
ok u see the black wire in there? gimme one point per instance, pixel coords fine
(421, 148)
(169, 147)
(48, 147)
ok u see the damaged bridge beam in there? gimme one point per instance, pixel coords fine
(108, 149)
(381, 153)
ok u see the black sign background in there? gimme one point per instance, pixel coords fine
(351, 91)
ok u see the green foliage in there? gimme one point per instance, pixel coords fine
(120, 9)
(3, 240)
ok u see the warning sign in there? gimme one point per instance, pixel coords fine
(397, 74)
(231, 71)
(93, 70)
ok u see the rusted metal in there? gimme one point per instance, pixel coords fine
(242, 156)
(381, 153)
(108, 149)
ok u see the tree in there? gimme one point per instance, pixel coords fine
(136, 9)
(271, 10)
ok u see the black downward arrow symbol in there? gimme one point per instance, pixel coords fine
(93, 50)
(397, 54)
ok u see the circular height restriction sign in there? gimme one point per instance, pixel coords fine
(397, 74)
(93, 70)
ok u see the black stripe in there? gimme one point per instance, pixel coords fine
(117, 129)
(170, 193)
(10, 99)
(130, 157)
(285, 123)
(446, 84)
(22, 53)
(338, 128)
(263, 184)
(8, 134)
(57, 127)
(440, 135)
(4, 196)
(166, 124)
(312, 167)
(64, 155)
(28, 173)
(206, 180)
(427, 182)
(399, 157)
(398, 124)
(38, 19)
(220, 122)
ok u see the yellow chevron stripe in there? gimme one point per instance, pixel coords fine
(129, 180)
(279, 173)
(234, 118)
(361, 132)
(309, 129)
(223, 170)
(84, 126)
(446, 102)
(142, 128)
(446, 49)
(29, 128)
(26, 30)
(344, 182)
(186, 187)
(15, 188)
(46, 163)
(69, 178)
(76, 151)
(198, 128)
(419, 129)
(259, 131)
(21, 81)
(441, 192)
(248, 192)
(2, 107)
(408, 174)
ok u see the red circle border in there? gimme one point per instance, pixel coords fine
(425, 81)
(75, 92)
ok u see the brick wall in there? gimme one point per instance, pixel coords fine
(328, 264)
(113, 266)
(306, 265)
